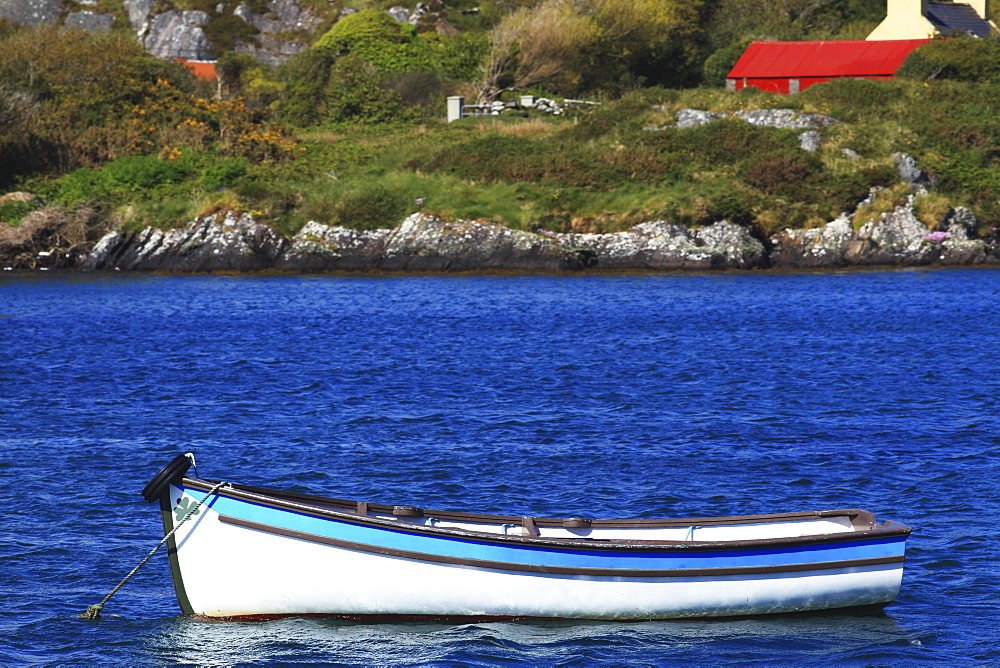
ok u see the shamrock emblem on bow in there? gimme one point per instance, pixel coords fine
(184, 504)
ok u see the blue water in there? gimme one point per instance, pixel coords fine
(677, 395)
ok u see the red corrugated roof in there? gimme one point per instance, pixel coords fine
(844, 58)
(203, 69)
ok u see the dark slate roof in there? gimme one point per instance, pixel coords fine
(950, 16)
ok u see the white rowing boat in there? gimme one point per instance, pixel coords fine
(250, 552)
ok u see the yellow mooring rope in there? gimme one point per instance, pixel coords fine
(94, 611)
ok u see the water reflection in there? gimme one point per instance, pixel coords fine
(802, 639)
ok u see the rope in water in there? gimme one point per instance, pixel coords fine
(94, 611)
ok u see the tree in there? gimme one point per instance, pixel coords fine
(16, 106)
(572, 45)
(534, 45)
(648, 41)
(92, 71)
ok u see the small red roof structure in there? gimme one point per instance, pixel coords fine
(203, 69)
(791, 67)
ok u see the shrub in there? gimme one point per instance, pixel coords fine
(625, 113)
(223, 173)
(13, 211)
(306, 78)
(497, 158)
(225, 32)
(735, 207)
(458, 57)
(493, 157)
(96, 74)
(139, 173)
(845, 191)
(781, 174)
(719, 64)
(356, 93)
(960, 59)
(417, 88)
(853, 99)
(16, 107)
(375, 37)
(360, 206)
(727, 140)
(80, 185)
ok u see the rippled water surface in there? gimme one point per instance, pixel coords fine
(678, 395)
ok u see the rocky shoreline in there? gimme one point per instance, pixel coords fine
(228, 242)
(80, 239)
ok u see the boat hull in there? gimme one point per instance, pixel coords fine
(243, 557)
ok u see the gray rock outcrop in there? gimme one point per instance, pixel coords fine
(53, 238)
(138, 16)
(810, 140)
(30, 12)
(895, 238)
(271, 49)
(90, 20)
(665, 245)
(177, 34)
(915, 177)
(786, 119)
(691, 118)
(422, 243)
(220, 242)
(282, 16)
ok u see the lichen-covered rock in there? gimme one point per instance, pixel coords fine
(787, 119)
(90, 20)
(896, 238)
(898, 235)
(282, 16)
(428, 243)
(319, 248)
(818, 247)
(664, 245)
(138, 15)
(30, 12)
(177, 34)
(915, 177)
(810, 140)
(226, 242)
(271, 49)
(690, 118)
(220, 242)
(960, 222)
(399, 14)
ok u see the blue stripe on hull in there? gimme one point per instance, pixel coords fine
(456, 547)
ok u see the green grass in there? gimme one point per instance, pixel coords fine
(601, 172)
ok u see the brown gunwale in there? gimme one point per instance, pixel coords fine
(341, 510)
(560, 570)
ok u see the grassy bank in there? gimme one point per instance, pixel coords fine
(156, 150)
(596, 172)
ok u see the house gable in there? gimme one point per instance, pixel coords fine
(915, 19)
